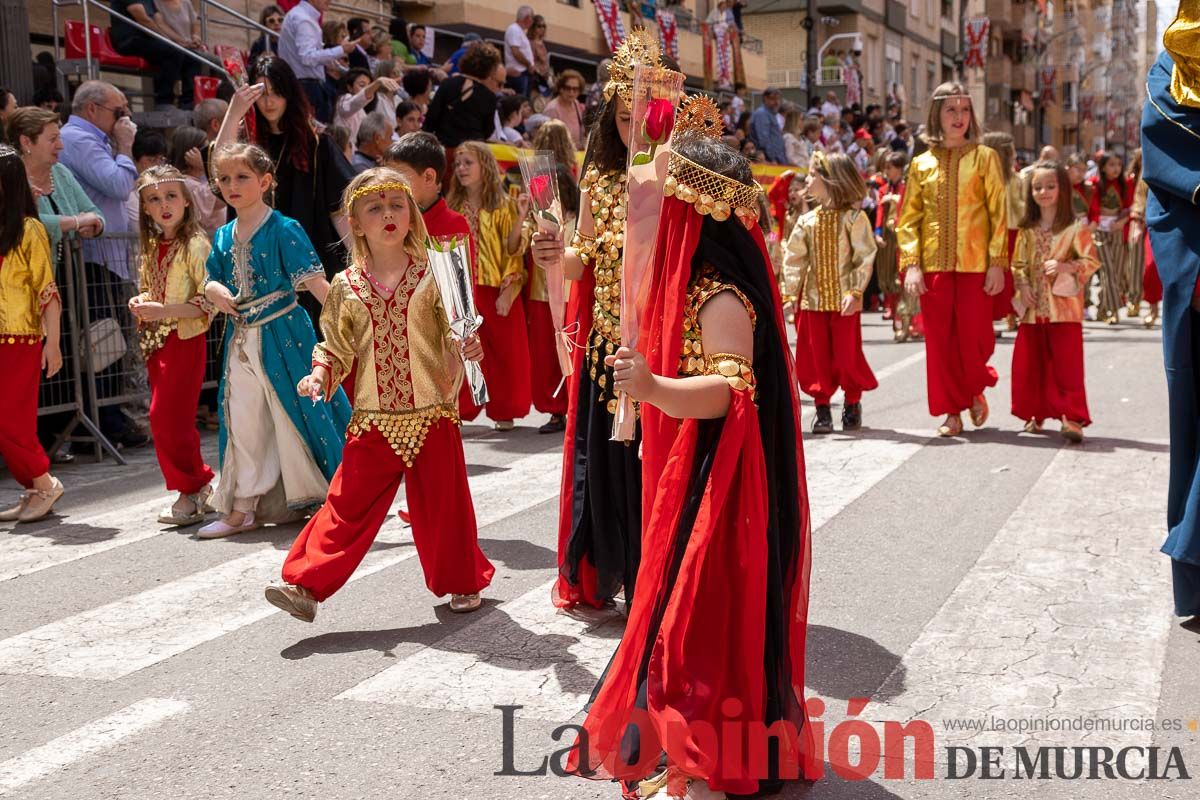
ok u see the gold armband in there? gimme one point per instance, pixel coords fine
(734, 368)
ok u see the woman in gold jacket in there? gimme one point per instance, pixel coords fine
(953, 236)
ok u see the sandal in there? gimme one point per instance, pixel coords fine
(180, 517)
(951, 427)
(979, 411)
(465, 603)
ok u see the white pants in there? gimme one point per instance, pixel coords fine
(264, 449)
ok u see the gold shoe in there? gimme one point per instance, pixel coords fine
(1033, 426)
(1133, 310)
(465, 603)
(951, 427)
(1151, 316)
(505, 425)
(40, 502)
(979, 411)
(1072, 431)
(900, 335)
(13, 514)
(295, 600)
(1113, 319)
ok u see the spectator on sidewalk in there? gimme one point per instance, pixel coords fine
(8, 104)
(300, 46)
(408, 117)
(272, 18)
(207, 116)
(416, 45)
(169, 63)
(765, 131)
(358, 58)
(464, 108)
(451, 65)
(374, 138)
(539, 75)
(518, 52)
(418, 85)
(359, 90)
(565, 107)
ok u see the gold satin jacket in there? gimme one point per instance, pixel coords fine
(408, 368)
(494, 265)
(1138, 209)
(26, 286)
(959, 196)
(1035, 246)
(829, 255)
(181, 283)
(1014, 190)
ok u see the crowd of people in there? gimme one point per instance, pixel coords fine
(341, 380)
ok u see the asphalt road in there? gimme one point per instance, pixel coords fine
(1000, 579)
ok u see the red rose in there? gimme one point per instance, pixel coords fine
(541, 191)
(660, 119)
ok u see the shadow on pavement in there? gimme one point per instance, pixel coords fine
(844, 665)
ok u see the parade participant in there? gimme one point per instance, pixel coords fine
(1135, 249)
(384, 314)
(1014, 189)
(1053, 261)
(545, 375)
(1152, 290)
(600, 518)
(172, 319)
(277, 453)
(827, 265)
(1081, 194)
(716, 634)
(1171, 167)
(1109, 209)
(898, 306)
(30, 312)
(477, 192)
(954, 257)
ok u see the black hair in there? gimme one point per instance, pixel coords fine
(406, 107)
(148, 142)
(4, 95)
(357, 26)
(419, 150)
(716, 156)
(351, 76)
(605, 150)
(510, 104)
(185, 138)
(568, 190)
(48, 94)
(16, 200)
(898, 159)
(416, 82)
(295, 124)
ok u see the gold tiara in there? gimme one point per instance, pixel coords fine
(698, 114)
(373, 188)
(640, 48)
(818, 161)
(710, 193)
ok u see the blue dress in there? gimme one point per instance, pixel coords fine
(264, 279)
(1171, 168)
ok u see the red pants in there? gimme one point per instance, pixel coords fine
(334, 542)
(545, 376)
(176, 371)
(1152, 290)
(1002, 303)
(958, 340)
(505, 360)
(1047, 379)
(829, 354)
(21, 366)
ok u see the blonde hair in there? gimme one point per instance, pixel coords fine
(414, 240)
(1002, 143)
(555, 137)
(491, 192)
(933, 126)
(842, 180)
(148, 230)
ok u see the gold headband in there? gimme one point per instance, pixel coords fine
(818, 161)
(711, 193)
(640, 48)
(374, 188)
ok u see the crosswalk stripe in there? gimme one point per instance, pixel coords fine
(1054, 615)
(92, 738)
(135, 632)
(524, 653)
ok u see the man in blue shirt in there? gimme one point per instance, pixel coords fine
(98, 149)
(451, 65)
(764, 127)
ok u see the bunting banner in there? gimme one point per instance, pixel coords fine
(668, 33)
(1046, 84)
(609, 13)
(706, 42)
(1087, 105)
(977, 33)
(724, 56)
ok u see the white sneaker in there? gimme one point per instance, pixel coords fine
(220, 529)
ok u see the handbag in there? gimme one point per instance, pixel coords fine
(108, 343)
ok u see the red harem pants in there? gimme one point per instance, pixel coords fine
(505, 360)
(21, 366)
(829, 354)
(336, 539)
(1002, 303)
(1047, 379)
(176, 371)
(1152, 290)
(545, 376)
(958, 340)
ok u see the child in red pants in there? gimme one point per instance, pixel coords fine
(384, 314)
(826, 266)
(1053, 259)
(172, 318)
(29, 311)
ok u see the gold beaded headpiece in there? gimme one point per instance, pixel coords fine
(375, 188)
(818, 161)
(709, 192)
(640, 48)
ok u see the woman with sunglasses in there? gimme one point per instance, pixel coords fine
(272, 18)
(565, 105)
